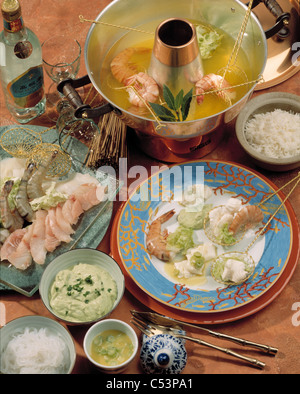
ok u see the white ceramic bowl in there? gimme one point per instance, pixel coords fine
(37, 322)
(263, 103)
(70, 259)
(110, 324)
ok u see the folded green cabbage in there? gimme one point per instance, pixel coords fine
(208, 40)
(181, 240)
(51, 198)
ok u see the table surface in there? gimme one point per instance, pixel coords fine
(277, 324)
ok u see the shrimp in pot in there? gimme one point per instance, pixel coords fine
(34, 184)
(213, 82)
(22, 202)
(122, 66)
(156, 240)
(146, 88)
(11, 220)
(246, 217)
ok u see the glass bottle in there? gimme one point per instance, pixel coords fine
(21, 69)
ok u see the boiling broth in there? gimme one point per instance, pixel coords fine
(240, 74)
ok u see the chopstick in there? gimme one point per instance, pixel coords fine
(155, 318)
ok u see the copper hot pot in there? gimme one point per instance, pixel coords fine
(175, 141)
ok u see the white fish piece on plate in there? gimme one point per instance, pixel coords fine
(63, 223)
(187, 269)
(227, 218)
(233, 205)
(87, 195)
(22, 257)
(11, 243)
(216, 214)
(71, 210)
(70, 185)
(51, 242)
(56, 229)
(15, 251)
(12, 167)
(234, 271)
(37, 241)
(76, 210)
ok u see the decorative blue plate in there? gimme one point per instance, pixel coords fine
(90, 230)
(162, 192)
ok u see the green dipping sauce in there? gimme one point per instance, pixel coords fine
(83, 293)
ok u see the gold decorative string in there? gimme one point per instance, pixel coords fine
(82, 19)
(277, 191)
(275, 213)
(238, 42)
(255, 81)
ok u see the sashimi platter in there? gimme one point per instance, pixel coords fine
(43, 216)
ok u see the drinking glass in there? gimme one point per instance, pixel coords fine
(61, 57)
(61, 60)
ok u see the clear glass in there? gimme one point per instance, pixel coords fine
(61, 60)
(61, 57)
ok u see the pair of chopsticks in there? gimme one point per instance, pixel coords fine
(155, 318)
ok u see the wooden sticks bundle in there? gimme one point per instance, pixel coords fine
(109, 145)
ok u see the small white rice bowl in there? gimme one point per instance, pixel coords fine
(268, 130)
(36, 345)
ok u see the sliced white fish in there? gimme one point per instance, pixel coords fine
(51, 242)
(16, 251)
(37, 241)
(56, 229)
(63, 222)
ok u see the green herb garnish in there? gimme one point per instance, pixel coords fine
(89, 280)
(197, 260)
(178, 107)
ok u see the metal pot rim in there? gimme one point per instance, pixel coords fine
(249, 92)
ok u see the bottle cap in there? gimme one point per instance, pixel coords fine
(11, 10)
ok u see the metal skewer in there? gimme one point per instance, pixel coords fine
(277, 191)
(156, 318)
(277, 210)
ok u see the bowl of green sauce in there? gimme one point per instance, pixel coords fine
(110, 345)
(82, 286)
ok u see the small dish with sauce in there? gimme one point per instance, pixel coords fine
(110, 345)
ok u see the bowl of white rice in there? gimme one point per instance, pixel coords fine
(268, 129)
(36, 345)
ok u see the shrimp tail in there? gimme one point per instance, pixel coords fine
(34, 184)
(246, 218)
(216, 83)
(156, 239)
(122, 67)
(22, 202)
(145, 89)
